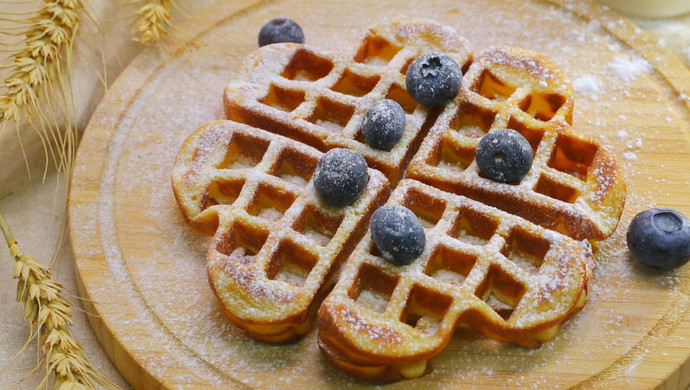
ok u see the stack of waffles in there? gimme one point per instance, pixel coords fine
(510, 261)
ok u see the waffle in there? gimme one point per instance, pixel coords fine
(482, 269)
(574, 186)
(510, 261)
(275, 245)
(320, 98)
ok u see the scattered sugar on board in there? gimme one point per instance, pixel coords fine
(629, 68)
(588, 84)
(147, 322)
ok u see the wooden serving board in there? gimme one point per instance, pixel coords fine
(142, 271)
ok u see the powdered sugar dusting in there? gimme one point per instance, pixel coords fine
(501, 57)
(630, 156)
(588, 84)
(271, 214)
(318, 237)
(627, 69)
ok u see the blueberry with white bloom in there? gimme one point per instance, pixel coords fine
(398, 234)
(660, 238)
(340, 177)
(504, 156)
(383, 124)
(433, 79)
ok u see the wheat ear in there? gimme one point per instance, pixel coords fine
(50, 316)
(153, 20)
(39, 62)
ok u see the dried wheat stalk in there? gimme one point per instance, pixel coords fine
(50, 316)
(38, 90)
(39, 62)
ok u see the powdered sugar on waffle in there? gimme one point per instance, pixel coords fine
(499, 56)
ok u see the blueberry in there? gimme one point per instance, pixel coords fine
(383, 124)
(280, 30)
(433, 79)
(398, 234)
(340, 177)
(660, 238)
(504, 156)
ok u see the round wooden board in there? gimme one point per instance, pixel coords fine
(142, 271)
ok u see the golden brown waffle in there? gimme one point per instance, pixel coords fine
(320, 98)
(481, 269)
(275, 243)
(513, 274)
(574, 186)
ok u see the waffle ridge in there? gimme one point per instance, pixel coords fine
(509, 261)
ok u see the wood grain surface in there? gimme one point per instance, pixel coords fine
(142, 272)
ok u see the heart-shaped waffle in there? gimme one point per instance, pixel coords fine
(482, 269)
(320, 98)
(574, 185)
(275, 244)
(507, 263)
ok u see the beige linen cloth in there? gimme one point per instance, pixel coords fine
(35, 208)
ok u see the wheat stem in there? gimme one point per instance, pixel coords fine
(14, 20)
(7, 232)
(19, 2)
(16, 13)
(50, 316)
